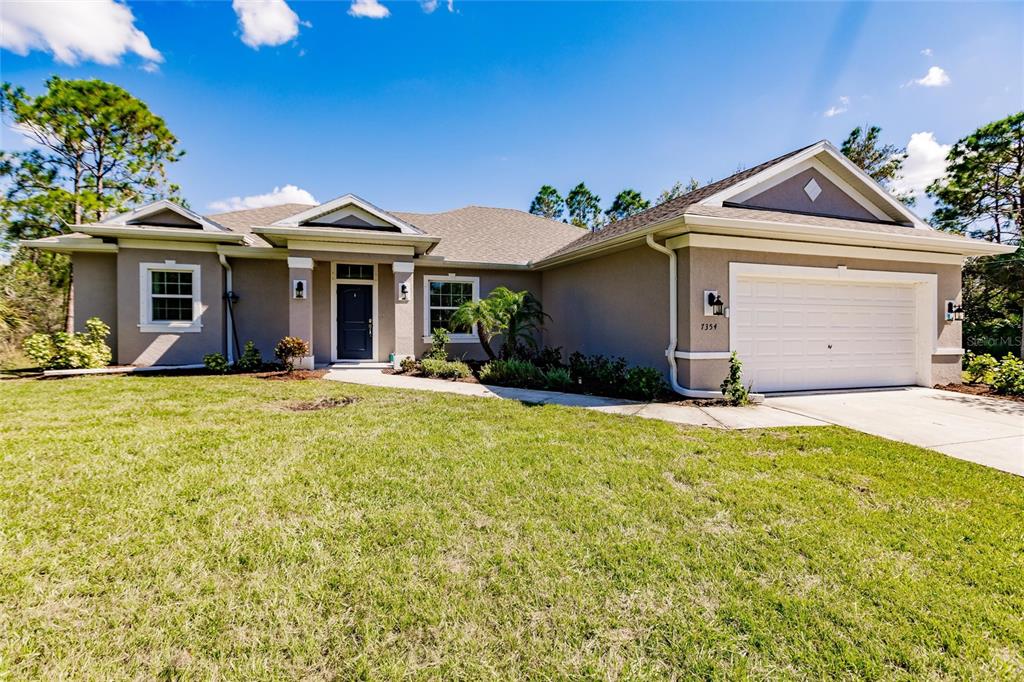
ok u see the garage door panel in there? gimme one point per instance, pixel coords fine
(806, 334)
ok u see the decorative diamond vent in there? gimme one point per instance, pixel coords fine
(813, 189)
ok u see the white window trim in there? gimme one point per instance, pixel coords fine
(146, 321)
(334, 309)
(471, 337)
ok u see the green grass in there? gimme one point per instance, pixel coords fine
(192, 527)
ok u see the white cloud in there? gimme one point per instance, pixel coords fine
(925, 163)
(101, 31)
(430, 5)
(289, 194)
(266, 22)
(927, 52)
(935, 78)
(841, 108)
(369, 9)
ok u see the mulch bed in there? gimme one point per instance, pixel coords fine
(319, 404)
(420, 375)
(979, 389)
(296, 375)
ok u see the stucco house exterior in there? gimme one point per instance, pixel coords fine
(806, 267)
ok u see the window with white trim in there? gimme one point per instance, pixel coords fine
(442, 296)
(169, 299)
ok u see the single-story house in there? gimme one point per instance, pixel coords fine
(803, 265)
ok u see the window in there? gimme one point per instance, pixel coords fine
(442, 296)
(172, 295)
(349, 271)
(169, 297)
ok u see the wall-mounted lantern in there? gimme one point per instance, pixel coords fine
(403, 292)
(954, 312)
(298, 288)
(713, 304)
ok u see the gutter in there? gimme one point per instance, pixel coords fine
(673, 323)
(228, 293)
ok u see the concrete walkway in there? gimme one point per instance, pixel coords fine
(988, 431)
(754, 416)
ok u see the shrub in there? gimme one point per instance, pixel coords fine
(445, 369)
(732, 388)
(439, 339)
(644, 383)
(512, 372)
(1008, 377)
(979, 368)
(548, 357)
(216, 363)
(558, 379)
(597, 373)
(288, 349)
(251, 360)
(84, 350)
(407, 364)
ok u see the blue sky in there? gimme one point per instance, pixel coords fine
(427, 111)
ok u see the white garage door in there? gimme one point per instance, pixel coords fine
(796, 334)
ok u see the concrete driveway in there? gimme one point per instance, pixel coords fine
(988, 431)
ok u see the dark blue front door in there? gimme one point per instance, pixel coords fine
(355, 321)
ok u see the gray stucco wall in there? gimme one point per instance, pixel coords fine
(789, 195)
(135, 347)
(613, 305)
(95, 284)
(261, 314)
(517, 280)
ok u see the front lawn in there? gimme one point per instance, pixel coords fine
(197, 527)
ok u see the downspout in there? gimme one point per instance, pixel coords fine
(673, 322)
(231, 315)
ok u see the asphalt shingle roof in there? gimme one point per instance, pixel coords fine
(672, 208)
(493, 235)
(475, 233)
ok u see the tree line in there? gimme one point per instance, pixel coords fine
(582, 208)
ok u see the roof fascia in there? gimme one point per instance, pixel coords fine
(279, 236)
(839, 235)
(69, 244)
(162, 233)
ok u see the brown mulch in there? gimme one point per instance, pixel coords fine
(319, 404)
(420, 375)
(296, 375)
(979, 389)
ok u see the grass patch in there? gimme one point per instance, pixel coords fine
(187, 526)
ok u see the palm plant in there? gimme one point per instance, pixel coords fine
(517, 315)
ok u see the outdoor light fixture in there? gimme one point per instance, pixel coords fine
(954, 312)
(713, 304)
(298, 288)
(403, 291)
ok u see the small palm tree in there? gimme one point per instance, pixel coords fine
(517, 315)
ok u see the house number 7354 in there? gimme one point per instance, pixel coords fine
(708, 326)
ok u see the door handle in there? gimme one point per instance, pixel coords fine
(370, 323)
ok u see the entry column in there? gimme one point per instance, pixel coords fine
(300, 305)
(405, 311)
